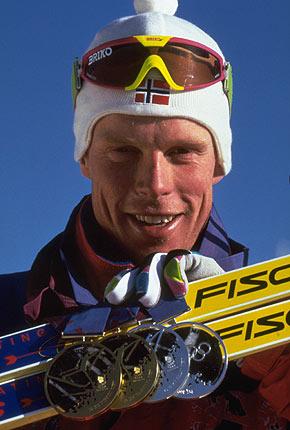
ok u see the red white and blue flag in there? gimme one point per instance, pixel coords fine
(153, 91)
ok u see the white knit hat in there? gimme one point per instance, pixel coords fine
(208, 106)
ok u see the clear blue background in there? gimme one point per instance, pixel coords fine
(40, 183)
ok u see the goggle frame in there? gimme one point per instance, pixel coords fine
(151, 41)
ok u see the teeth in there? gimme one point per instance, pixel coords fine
(155, 219)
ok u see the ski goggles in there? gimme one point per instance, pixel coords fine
(124, 63)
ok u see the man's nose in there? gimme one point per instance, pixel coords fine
(154, 175)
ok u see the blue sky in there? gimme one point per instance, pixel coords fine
(39, 181)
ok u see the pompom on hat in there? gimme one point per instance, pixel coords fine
(164, 6)
(208, 106)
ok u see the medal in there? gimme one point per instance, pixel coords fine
(172, 355)
(139, 366)
(83, 380)
(208, 360)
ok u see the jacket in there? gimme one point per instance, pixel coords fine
(237, 404)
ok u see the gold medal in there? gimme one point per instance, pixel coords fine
(139, 366)
(83, 380)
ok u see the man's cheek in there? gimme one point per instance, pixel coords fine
(119, 178)
(192, 180)
(196, 190)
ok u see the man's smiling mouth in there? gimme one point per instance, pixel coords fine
(155, 219)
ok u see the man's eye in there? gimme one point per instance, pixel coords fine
(186, 153)
(181, 154)
(181, 151)
(121, 150)
(123, 153)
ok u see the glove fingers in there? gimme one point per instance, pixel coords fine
(192, 260)
(147, 283)
(121, 286)
(175, 277)
(204, 267)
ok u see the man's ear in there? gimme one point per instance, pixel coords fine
(84, 166)
(218, 174)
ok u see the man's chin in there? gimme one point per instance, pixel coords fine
(167, 233)
(141, 251)
(142, 239)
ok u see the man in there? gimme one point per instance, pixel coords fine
(153, 136)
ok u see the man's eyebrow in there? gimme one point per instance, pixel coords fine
(116, 138)
(190, 141)
(124, 141)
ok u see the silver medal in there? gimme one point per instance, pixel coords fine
(208, 360)
(172, 356)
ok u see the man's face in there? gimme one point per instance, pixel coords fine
(152, 181)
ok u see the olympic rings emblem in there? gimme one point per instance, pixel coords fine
(199, 352)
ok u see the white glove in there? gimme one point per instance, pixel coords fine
(199, 267)
(176, 269)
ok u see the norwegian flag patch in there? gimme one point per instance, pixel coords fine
(153, 91)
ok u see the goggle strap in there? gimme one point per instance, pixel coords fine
(228, 84)
(76, 79)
